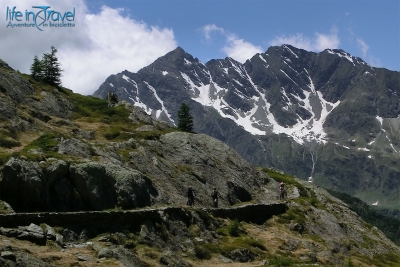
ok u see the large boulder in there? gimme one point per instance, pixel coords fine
(62, 196)
(23, 185)
(74, 147)
(59, 186)
(105, 186)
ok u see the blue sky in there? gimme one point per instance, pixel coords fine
(374, 22)
(111, 36)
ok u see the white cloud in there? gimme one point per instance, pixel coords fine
(297, 40)
(239, 49)
(210, 28)
(234, 47)
(318, 43)
(99, 45)
(371, 60)
(363, 46)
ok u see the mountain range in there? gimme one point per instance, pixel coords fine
(328, 117)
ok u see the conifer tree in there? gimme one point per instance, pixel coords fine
(185, 120)
(48, 69)
(52, 69)
(37, 69)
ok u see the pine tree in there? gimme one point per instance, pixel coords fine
(48, 69)
(52, 69)
(37, 69)
(185, 120)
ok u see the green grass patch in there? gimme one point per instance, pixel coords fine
(254, 243)
(227, 244)
(97, 110)
(46, 143)
(294, 213)
(112, 133)
(390, 259)
(280, 261)
(222, 231)
(315, 238)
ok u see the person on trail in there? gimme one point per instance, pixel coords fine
(215, 194)
(190, 195)
(282, 190)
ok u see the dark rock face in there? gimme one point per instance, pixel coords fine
(241, 255)
(105, 187)
(23, 178)
(60, 186)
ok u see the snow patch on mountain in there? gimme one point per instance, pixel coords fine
(163, 109)
(289, 77)
(342, 54)
(287, 48)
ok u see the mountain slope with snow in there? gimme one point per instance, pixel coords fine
(312, 114)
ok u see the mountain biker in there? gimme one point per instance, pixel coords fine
(215, 194)
(190, 195)
(282, 190)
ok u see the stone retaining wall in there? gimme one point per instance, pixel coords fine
(257, 213)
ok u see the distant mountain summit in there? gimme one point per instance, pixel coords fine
(328, 117)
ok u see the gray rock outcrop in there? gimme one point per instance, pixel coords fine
(23, 178)
(64, 187)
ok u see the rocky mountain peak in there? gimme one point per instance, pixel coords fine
(315, 102)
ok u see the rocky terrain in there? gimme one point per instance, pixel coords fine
(90, 182)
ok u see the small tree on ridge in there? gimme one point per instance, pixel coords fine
(37, 69)
(48, 69)
(185, 120)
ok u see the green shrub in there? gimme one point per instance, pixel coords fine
(129, 244)
(349, 263)
(202, 253)
(111, 134)
(233, 228)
